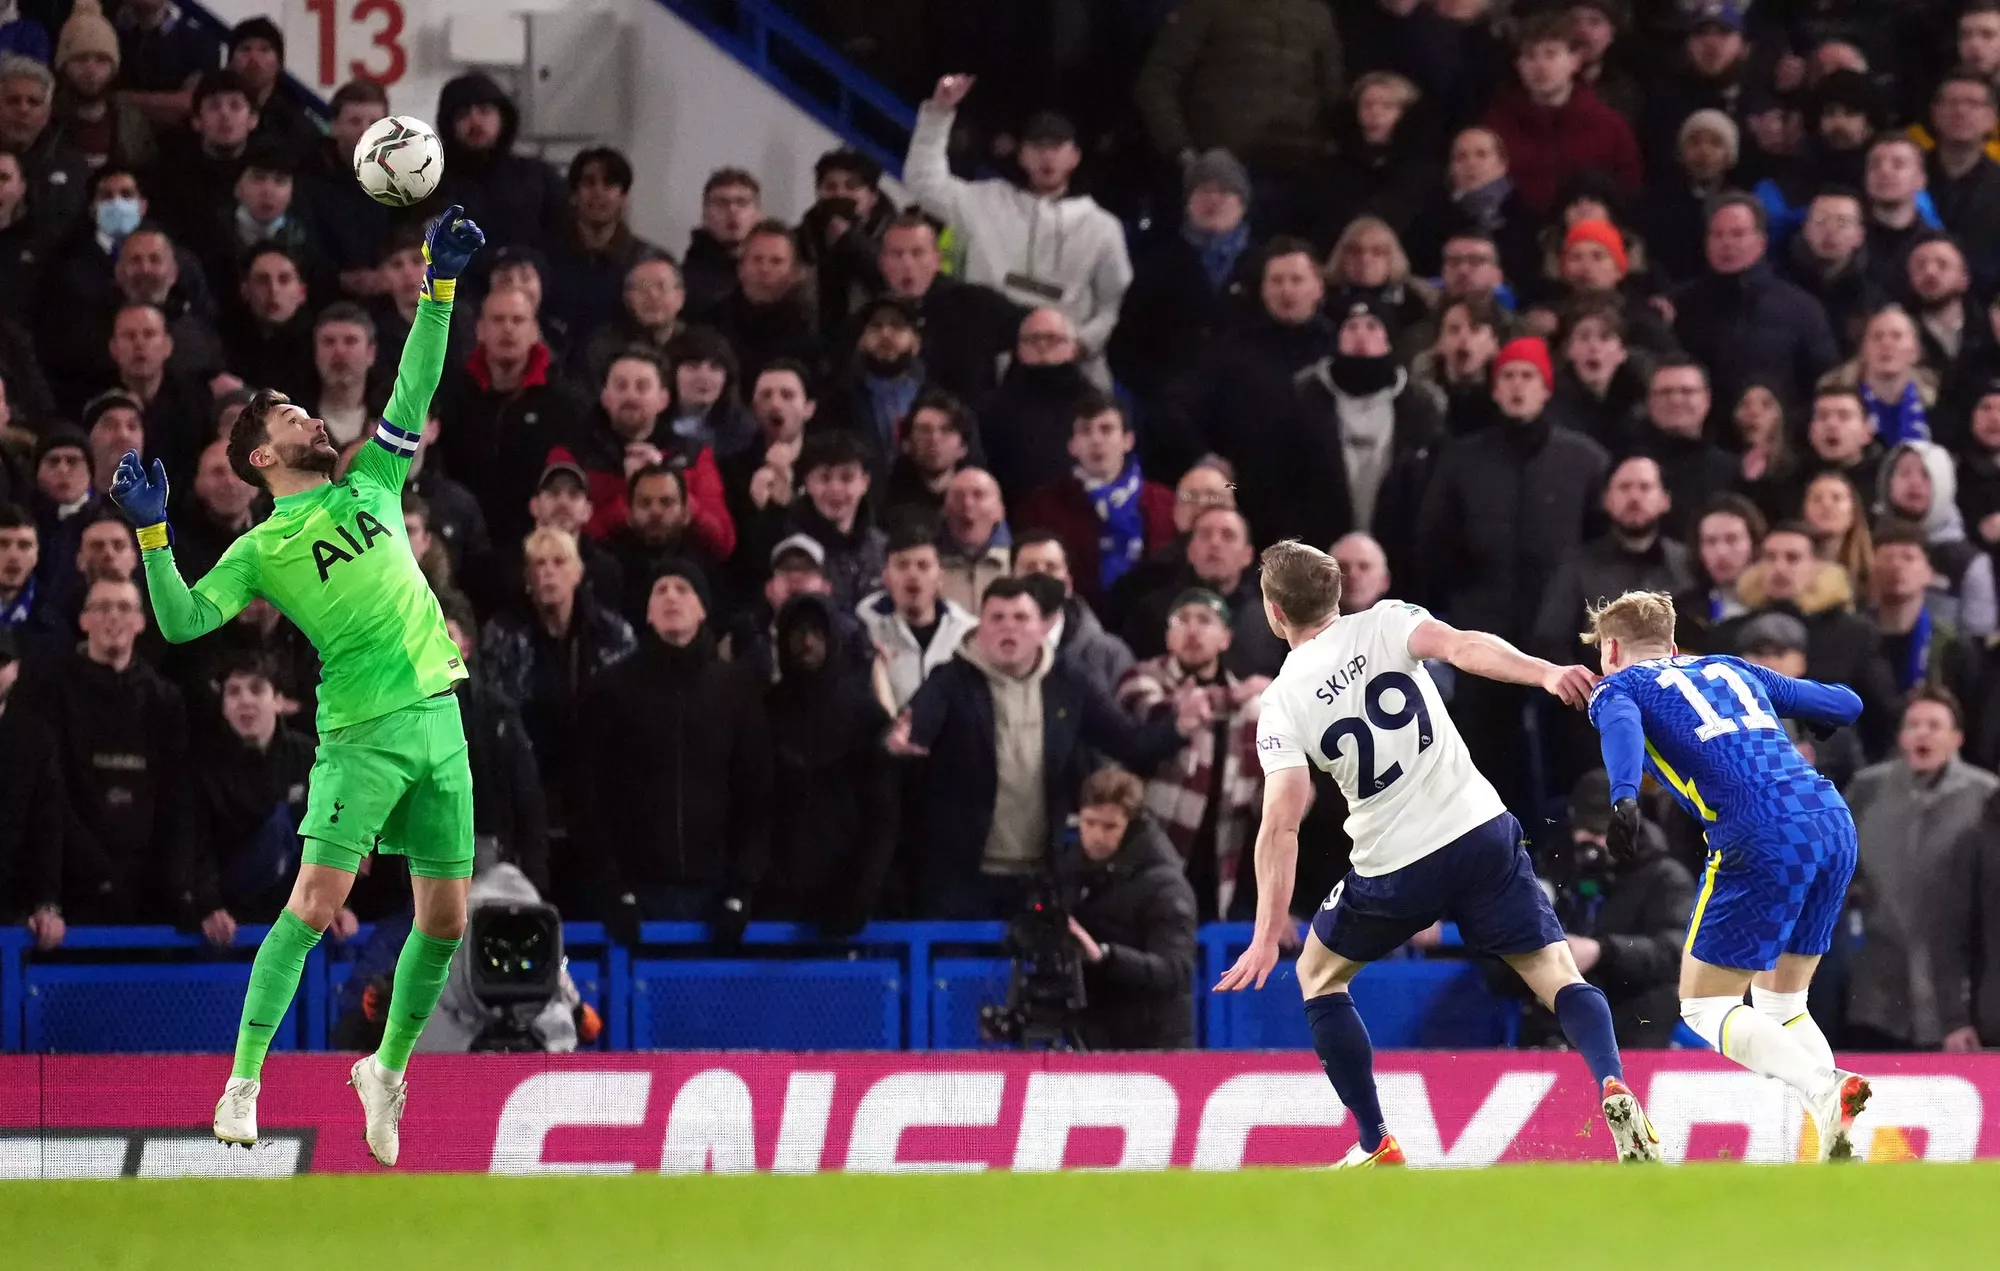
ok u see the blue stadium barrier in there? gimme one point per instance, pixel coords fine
(897, 985)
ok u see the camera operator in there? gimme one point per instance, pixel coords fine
(1133, 916)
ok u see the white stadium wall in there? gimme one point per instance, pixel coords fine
(693, 108)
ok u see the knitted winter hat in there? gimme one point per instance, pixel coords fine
(87, 31)
(1531, 349)
(1603, 233)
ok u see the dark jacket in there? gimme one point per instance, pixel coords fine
(495, 443)
(1615, 420)
(587, 290)
(1964, 957)
(191, 187)
(507, 800)
(239, 791)
(1025, 426)
(764, 333)
(1171, 311)
(1755, 325)
(676, 772)
(639, 564)
(1139, 908)
(1842, 647)
(1065, 510)
(1969, 206)
(272, 356)
(1693, 472)
(1504, 508)
(854, 560)
(952, 716)
(352, 227)
(966, 329)
(833, 825)
(1262, 79)
(1602, 569)
(515, 198)
(1253, 650)
(1847, 294)
(1547, 146)
(708, 270)
(32, 816)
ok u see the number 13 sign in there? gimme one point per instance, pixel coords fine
(357, 38)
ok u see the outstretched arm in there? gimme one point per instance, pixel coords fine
(183, 612)
(1808, 699)
(1288, 794)
(1488, 656)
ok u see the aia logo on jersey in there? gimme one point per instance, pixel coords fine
(327, 554)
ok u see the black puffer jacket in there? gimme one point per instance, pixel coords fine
(515, 199)
(1139, 907)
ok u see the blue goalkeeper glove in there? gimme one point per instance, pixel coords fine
(143, 497)
(448, 249)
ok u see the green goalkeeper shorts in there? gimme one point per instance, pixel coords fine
(399, 783)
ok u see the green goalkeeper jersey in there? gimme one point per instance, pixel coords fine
(336, 561)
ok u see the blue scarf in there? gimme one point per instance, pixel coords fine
(1912, 672)
(1219, 252)
(17, 613)
(1905, 421)
(1121, 541)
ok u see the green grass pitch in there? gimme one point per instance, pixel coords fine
(1548, 1218)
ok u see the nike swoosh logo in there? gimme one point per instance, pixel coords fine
(425, 1015)
(295, 533)
(259, 1024)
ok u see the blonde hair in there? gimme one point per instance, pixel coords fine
(548, 538)
(1302, 582)
(1637, 617)
(1853, 549)
(1335, 272)
(1401, 85)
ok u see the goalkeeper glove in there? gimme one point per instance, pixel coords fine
(448, 249)
(143, 497)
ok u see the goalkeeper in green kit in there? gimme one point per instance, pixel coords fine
(391, 773)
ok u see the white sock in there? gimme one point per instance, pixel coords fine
(394, 1076)
(1789, 1010)
(1756, 1041)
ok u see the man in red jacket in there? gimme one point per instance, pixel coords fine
(1554, 126)
(1107, 516)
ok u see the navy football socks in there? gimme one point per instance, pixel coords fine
(1585, 1017)
(1341, 1041)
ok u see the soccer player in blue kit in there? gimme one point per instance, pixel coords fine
(1781, 841)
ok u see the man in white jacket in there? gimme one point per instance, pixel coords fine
(1038, 244)
(915, 629)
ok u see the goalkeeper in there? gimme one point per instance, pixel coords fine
(391, 773)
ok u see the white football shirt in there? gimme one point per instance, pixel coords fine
(1356, 703)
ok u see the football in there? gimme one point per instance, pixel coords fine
(399, 161)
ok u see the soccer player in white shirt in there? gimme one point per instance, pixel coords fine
(1431, 837)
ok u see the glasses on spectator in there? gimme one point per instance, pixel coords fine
(111, 606)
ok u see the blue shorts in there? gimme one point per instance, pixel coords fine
(1482, 880)
(1779, 889)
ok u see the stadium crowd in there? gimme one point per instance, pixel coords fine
(808, 571)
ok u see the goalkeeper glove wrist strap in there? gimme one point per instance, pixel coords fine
(154, 537)
(441, 290)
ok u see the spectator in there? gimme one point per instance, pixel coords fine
(1386, 167)
(343, 355)
(769, 316)
(270, 338)
(797, 566)
(56, 174)
(1842, 647)
(1025, 426)
(1075, 636)
(833, 826)
(263, 211)
(834, 476)
(1134, 919)
(883, 380)
(1910, 813)
(1220, 559)
(1842, 438)
(1829, 260)
(175, 404)
(517, 199)
(1708, 145)
(732, 204)
(1364, 571)
(1596, 262)
(91, 122)
(1624, 919)
(544, 655)
(1778, 642)
(936, 443)
(352, 227)
(1458, 370)
(32, 812)
(706, 405)
(220, 514)
(1249, 374)
(1919, 484)
(1979, 478)
(1897, 393)
(967, 327)
(1962, 179)
(502, 411)
(115, 425)
(759, 479)
(1106, 515)
(121, 734)
(1693, 469)
(1963, 975)
(199, 167)
(1741, 320)
(1554, 127)
(257, 56)
(23, 36)
(1190, 283)
(1367, 263)
(248, 800)
(259, 631)
(1726, 537)
(657, 529)
(1209, 796)
(161, 57)
(1840, 529)
(595, 254)
(1263, 82)
(1481, 199)
(1899, 208)
(25, 613)
(653, 299)
(525, 269)
(1947, 322)
(21, 266)
(1716, 65)
(1635, 554)
(914, 628)
(1003, 731)
(1768, 472)
(677, 774)
(562, 503)
(433, 559)
(1923, 640)
(1076, 263)
(401, 265)
(1366, 438)
(840, 236)
(974, 544)
(507, 802)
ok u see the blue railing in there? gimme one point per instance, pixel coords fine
(811, 75)
(897, 985)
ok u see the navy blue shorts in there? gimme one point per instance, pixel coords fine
(1481, 880)
(1779, 889)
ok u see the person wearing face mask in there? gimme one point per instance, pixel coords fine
(1365, 441)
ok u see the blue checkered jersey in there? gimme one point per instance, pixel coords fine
(1708, 728)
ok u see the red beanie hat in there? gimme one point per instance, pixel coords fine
(1532, 350)
(1603, 233)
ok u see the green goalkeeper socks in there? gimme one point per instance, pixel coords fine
(274, 981)
(421, 970)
